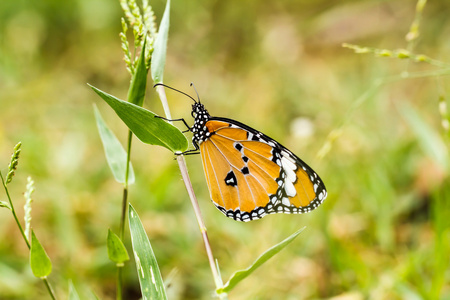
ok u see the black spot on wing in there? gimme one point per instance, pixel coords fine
(245, 171)
(238, 146)
(230, 179)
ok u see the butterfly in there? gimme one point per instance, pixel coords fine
(249, 174)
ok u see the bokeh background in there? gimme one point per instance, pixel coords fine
(278, 66)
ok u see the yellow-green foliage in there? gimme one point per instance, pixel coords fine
(278, 66)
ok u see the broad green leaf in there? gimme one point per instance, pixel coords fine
(143, 123)
(136, 93)
(116, 249)
(152, 286)
(73, 295)
(114, 152)
(431, 143)
(240, 275)
(39, 261)
(159, 54)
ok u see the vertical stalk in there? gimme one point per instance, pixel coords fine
(187, 182)
(124, 213)
(14, 213)
(125, 187)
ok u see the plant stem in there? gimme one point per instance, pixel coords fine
(119, 283)
(14, 213)
(47, 284)
(370, 92)
(49, 288)
(125, 188)
(124, 213)
(187, 182)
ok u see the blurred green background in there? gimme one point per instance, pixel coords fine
(383, 232)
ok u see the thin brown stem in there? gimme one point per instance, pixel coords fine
(187, 182)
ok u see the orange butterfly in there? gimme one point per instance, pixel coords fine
(249, 174)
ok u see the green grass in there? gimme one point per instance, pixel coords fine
(383, 231)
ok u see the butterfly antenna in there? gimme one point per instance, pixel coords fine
(162, 84)
(198, 97)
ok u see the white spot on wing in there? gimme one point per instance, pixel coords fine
(290, 189)
(288, 156)
(289, 168)
(287, 163)
(285, 201)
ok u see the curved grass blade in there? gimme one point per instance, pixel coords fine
(73, 295)
(431, 143)
(152, 286)
(159, 54)
(240, 275)
(136, 93)
(39, 261)
(145, 125)
(114, 152)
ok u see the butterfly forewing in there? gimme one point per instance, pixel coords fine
(250, 175)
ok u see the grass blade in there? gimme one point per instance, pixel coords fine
(159, 54)
(145, 125)
(136, 93)
(431, 143)
(114, 152)
(240, 275)
(39, 261)
(73, 295)
(152, 286)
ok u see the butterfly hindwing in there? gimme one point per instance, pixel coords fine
(250, 175)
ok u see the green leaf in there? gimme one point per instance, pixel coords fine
(430, 141)
(39, 261)
(240, 275)
(152, 286)
(116, 249)
(136, 93)
(4, 204)
(114, 152)
(159, 53)
(73, 295)
(145, 125)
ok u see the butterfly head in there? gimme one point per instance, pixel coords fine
(199, 111)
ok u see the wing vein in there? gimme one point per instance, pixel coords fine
(238, 170)
(215, 175)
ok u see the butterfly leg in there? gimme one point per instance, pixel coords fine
(177, 120)
(191, 152)
(187, 152)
